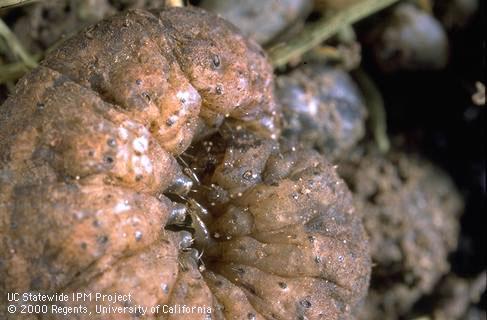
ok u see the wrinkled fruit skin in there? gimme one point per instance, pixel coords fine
(90, 181)
(322, 109)
(411, 211)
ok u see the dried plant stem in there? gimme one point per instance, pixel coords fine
(375, 105)
(13, 71)
(13, 3)
(15, 46)
(323, 29)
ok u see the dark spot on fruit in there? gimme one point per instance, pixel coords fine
(83, 245)
(108, 159)
(216, 61)
(250, 289)
(305, 303)
(111, 142)
(283, 285)
(146, 96)
(102, 239)
(251, 316)
(138, 82)
(247, 175)
(219, 89)
(40, 106)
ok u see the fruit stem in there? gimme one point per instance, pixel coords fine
(377, 112)
(323, 29)
(13, 3)
(14, 44)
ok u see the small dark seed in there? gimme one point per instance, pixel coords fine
(250, 316)
(282, 285)
(138, 82)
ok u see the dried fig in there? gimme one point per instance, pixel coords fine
(99, 192)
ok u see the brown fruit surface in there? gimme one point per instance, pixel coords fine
(94, 199)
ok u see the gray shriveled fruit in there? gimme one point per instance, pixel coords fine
(409, 39)
(410, 211)
(44, 23)
(261, 20)
(322, 109)
(95, 196)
